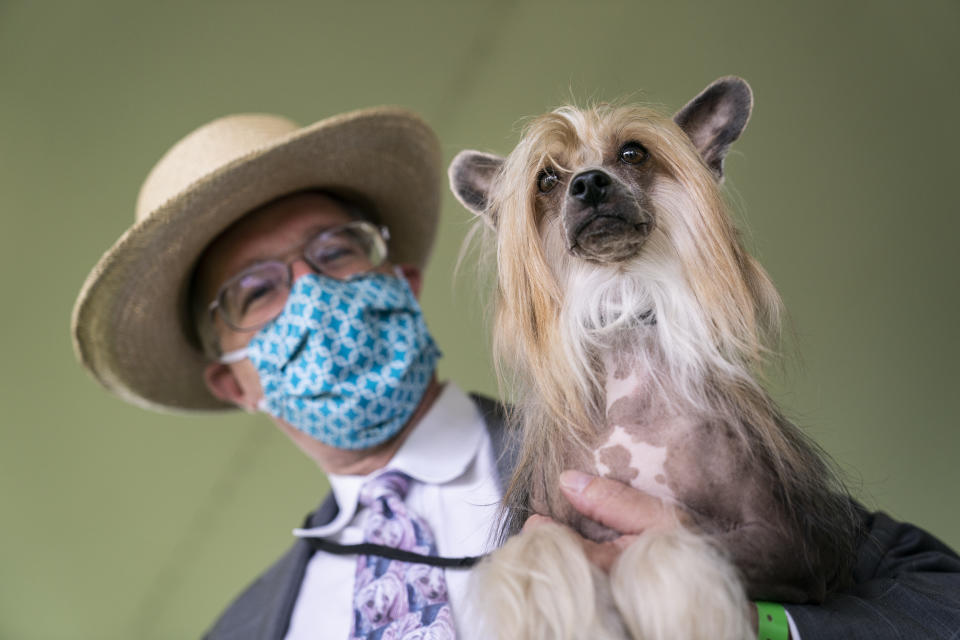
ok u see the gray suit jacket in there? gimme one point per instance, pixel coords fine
(907, 583)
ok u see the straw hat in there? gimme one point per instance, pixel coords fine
(132, 327)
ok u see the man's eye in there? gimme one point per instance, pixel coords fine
(251, 296)
(633, 153)
(255, 292)
(332, 254)
(336, 255)
(547, 179)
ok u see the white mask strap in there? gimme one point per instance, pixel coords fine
(233, 357)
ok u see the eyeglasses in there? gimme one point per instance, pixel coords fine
(257, 295)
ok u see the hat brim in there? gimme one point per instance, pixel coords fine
(131, 323)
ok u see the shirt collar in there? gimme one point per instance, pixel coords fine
(437, 451)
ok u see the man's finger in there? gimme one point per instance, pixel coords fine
(536, 520)
(602, 554)
(614, 504)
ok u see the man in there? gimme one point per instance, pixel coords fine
(275, 268)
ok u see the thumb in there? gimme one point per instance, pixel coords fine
(614, 504)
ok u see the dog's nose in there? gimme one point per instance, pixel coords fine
(590, 187)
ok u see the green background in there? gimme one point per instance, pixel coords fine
(119, 523)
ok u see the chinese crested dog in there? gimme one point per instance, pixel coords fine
(634, 326)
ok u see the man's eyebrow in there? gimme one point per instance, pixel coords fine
(320, 228)
(306, 235)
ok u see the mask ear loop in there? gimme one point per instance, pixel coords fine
(233, 357)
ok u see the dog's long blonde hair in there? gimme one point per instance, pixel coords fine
(712, 312)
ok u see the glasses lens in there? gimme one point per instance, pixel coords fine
(348, 250)
(255, 296)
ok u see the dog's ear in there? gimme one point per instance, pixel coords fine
(471, 177)
(715, 118)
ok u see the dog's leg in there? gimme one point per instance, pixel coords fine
(540, 586)
(676, 584)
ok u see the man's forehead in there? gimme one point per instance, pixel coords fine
(266, 233)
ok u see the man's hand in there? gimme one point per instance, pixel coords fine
(615, 505)
(623, 509)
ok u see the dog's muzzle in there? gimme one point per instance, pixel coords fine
(603, 220)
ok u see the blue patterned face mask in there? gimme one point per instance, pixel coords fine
(347, 361)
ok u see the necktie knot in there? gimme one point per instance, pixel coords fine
(392, 484)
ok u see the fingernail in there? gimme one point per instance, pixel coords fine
(575, 481)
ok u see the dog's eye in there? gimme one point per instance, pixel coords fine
(633, 153)
(547, 179)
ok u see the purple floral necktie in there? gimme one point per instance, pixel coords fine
(396, 600)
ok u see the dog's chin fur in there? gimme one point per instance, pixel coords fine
(643, 304)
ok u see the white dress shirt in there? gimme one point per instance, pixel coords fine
(454, 487)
